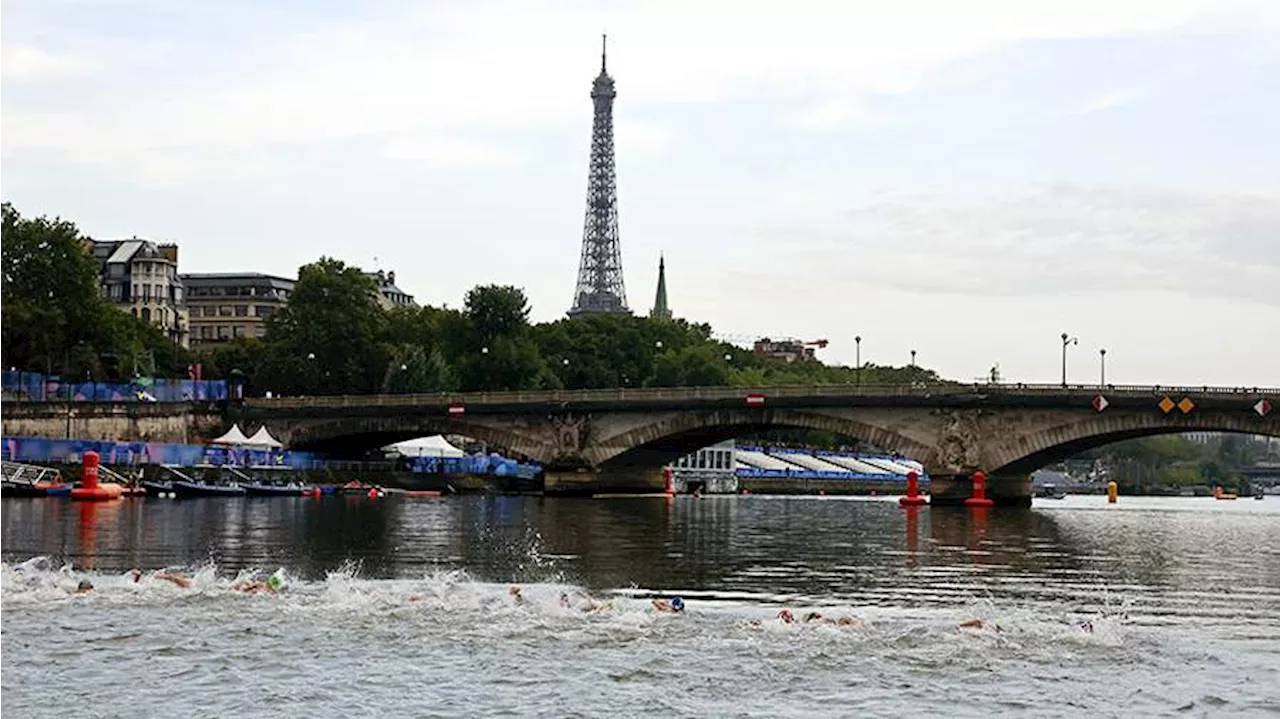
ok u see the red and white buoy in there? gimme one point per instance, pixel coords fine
(89, 488)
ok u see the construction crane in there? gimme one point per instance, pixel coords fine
(820, 344)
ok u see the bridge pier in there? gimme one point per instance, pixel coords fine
(1007, 490)
(608, 480)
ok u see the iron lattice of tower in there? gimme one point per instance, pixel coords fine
(600, 286)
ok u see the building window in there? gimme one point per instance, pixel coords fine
(263, 310)
(146, 293)
(237, 331)
(224, 310)
(242, 310)
(260, 331)
(222, 332)
(135, 290)
(134, 311)
(146, 314)
(211, 312)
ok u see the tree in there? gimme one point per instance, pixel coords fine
(50, 293)
(326, 340)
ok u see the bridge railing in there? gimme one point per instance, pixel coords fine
(659, 394)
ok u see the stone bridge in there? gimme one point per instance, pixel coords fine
(618, 440)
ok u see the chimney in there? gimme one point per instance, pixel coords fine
(391, 277)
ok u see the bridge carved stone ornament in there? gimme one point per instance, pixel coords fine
(570, 435)
(960, 439)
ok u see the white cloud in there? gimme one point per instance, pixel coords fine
(1058, 239)
(25, 63)
(450, 152)
(507, 65)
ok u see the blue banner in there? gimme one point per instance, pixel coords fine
(36, 387)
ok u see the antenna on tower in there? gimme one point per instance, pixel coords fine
(604, 47)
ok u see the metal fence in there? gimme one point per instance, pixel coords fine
(38, 387)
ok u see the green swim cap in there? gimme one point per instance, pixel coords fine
(276, 580)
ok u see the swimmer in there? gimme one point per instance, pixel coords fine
(84, 587)
(589, 605)
(976, 623)
(838, 622)
(177, 579)
(273, 584)
(516, 596)
(675, 605)
(251, 586)
(564, 601)
(787, 617)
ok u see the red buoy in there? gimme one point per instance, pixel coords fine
(979, 498)
(913, 498)
(89, 488)
(668, 478)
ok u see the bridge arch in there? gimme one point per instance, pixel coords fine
(679, 433)
(1033, 450)
(350, 437)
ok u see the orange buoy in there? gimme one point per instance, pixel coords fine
(979, 498)
(913, 498)
(89, 488)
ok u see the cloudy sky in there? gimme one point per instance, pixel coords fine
(969, 180)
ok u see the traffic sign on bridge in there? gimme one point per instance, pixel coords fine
(1100, 403)
(1263, 407)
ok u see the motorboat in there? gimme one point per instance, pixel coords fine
(1050, 491)
(157, 488)
(184, 488)
(39, 488)
(262, 489)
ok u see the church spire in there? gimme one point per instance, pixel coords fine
(660, 309)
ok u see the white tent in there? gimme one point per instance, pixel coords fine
(233, 437)
(436, 446)
(263, 438)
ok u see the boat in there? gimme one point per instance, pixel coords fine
(260, 489)
(40, 488)
(157, 488)
(1219, 494)
(184, 488)
(1050, 491)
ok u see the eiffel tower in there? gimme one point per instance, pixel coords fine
(600, 287)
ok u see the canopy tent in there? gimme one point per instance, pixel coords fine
(233, 437)
(263, 438)
(436, 446)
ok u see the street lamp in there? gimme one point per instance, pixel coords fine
(913, 358)
(728, 357)
(1102, 367)
(1066, 340)
(484, 350)
(857, 343)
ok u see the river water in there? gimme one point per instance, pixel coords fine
(402, 607)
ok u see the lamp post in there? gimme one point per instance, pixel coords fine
(1102, 367)
(913, 358)
(857, 343)
(1066, 340)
